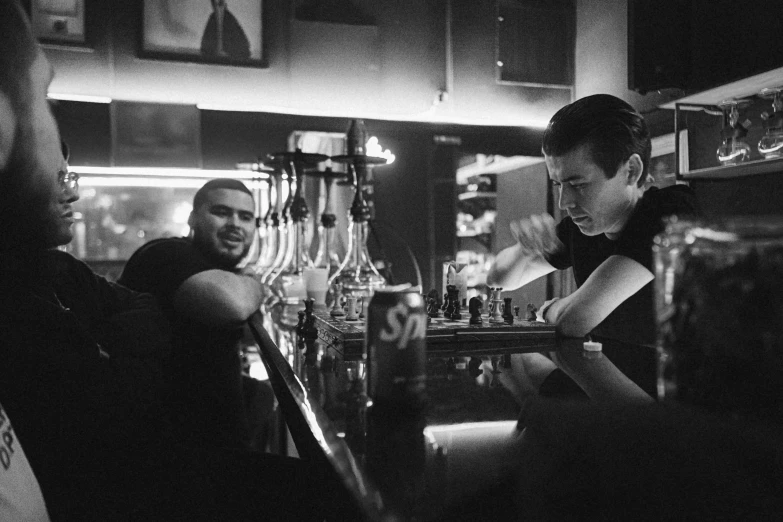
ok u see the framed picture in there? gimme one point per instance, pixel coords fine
(58, 21)
(209, 31)
(662, 160)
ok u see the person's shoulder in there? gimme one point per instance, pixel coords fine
(63, 262)
(674, 199)
(167, 246)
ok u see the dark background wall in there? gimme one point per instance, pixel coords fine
(410, 209)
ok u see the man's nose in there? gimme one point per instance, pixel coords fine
(69, 194)
(566, 199)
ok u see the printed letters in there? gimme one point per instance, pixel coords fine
(415, 326)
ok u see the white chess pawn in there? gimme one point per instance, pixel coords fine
(337, 310)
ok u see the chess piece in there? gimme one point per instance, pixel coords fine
(507, 315)
(337, 310)
(495, 382)
(496, 316)
(445, 302)
(433, 310)
(516, 312)
(474, 307)
(456, 315)
(350, 309)
(450, 300)
(474, 367)
(507, 361)
(309, 330)
(300, 330)
(531, 312)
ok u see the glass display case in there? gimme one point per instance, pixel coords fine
(121, 209)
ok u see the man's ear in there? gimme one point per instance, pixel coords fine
(635, 167)
(191, 219)
(7, 129)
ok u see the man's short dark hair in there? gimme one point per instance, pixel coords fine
(219, 183)
(611, 128)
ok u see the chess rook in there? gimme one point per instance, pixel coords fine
(508, 317)
(350, 309)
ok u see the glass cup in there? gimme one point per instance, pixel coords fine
(316, 286)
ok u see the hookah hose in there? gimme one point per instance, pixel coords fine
(398, 238)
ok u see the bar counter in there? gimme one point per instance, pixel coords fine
(471, 417)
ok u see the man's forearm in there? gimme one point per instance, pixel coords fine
(601, 380)
(218, 297)
(514, 268)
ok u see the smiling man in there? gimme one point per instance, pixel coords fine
(597, 152)
(207, 301)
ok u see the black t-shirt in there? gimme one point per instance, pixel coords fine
(633, 321)
(206, 366)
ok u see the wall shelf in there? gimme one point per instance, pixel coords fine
(750, 168)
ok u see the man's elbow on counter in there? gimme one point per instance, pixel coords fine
(569, 322)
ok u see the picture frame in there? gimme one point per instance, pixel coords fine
(224, 32)
(662, 159)
(59, 21)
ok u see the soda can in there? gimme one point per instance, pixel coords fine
(396, 341)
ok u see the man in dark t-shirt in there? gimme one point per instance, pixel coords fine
(207, 301)
(597, 152)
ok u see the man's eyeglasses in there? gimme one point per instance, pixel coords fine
(68, 180)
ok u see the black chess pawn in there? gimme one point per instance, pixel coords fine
(531, 312)
(516, 312)
(433, 310)
(474, 307)
(450, 300)
(508, 317)
(456, 315)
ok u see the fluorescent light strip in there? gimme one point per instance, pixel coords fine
(150, 182)
(167, 172)
(423, 117)
(78, 97)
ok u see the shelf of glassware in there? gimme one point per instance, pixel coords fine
(748, 168)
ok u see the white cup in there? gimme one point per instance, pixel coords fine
(315, 280)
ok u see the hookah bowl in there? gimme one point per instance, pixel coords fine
(771, 144)
(733, 149)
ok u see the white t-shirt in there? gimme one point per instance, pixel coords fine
(20, 495)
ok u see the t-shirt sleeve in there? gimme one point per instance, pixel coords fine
(562, 258)
(161, 269)
(637, 239)
(20, 494)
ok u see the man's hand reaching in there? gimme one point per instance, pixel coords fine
(536, 235)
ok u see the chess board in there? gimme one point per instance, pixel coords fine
(446, 337)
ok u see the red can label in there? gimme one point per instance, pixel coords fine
(396, 346)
